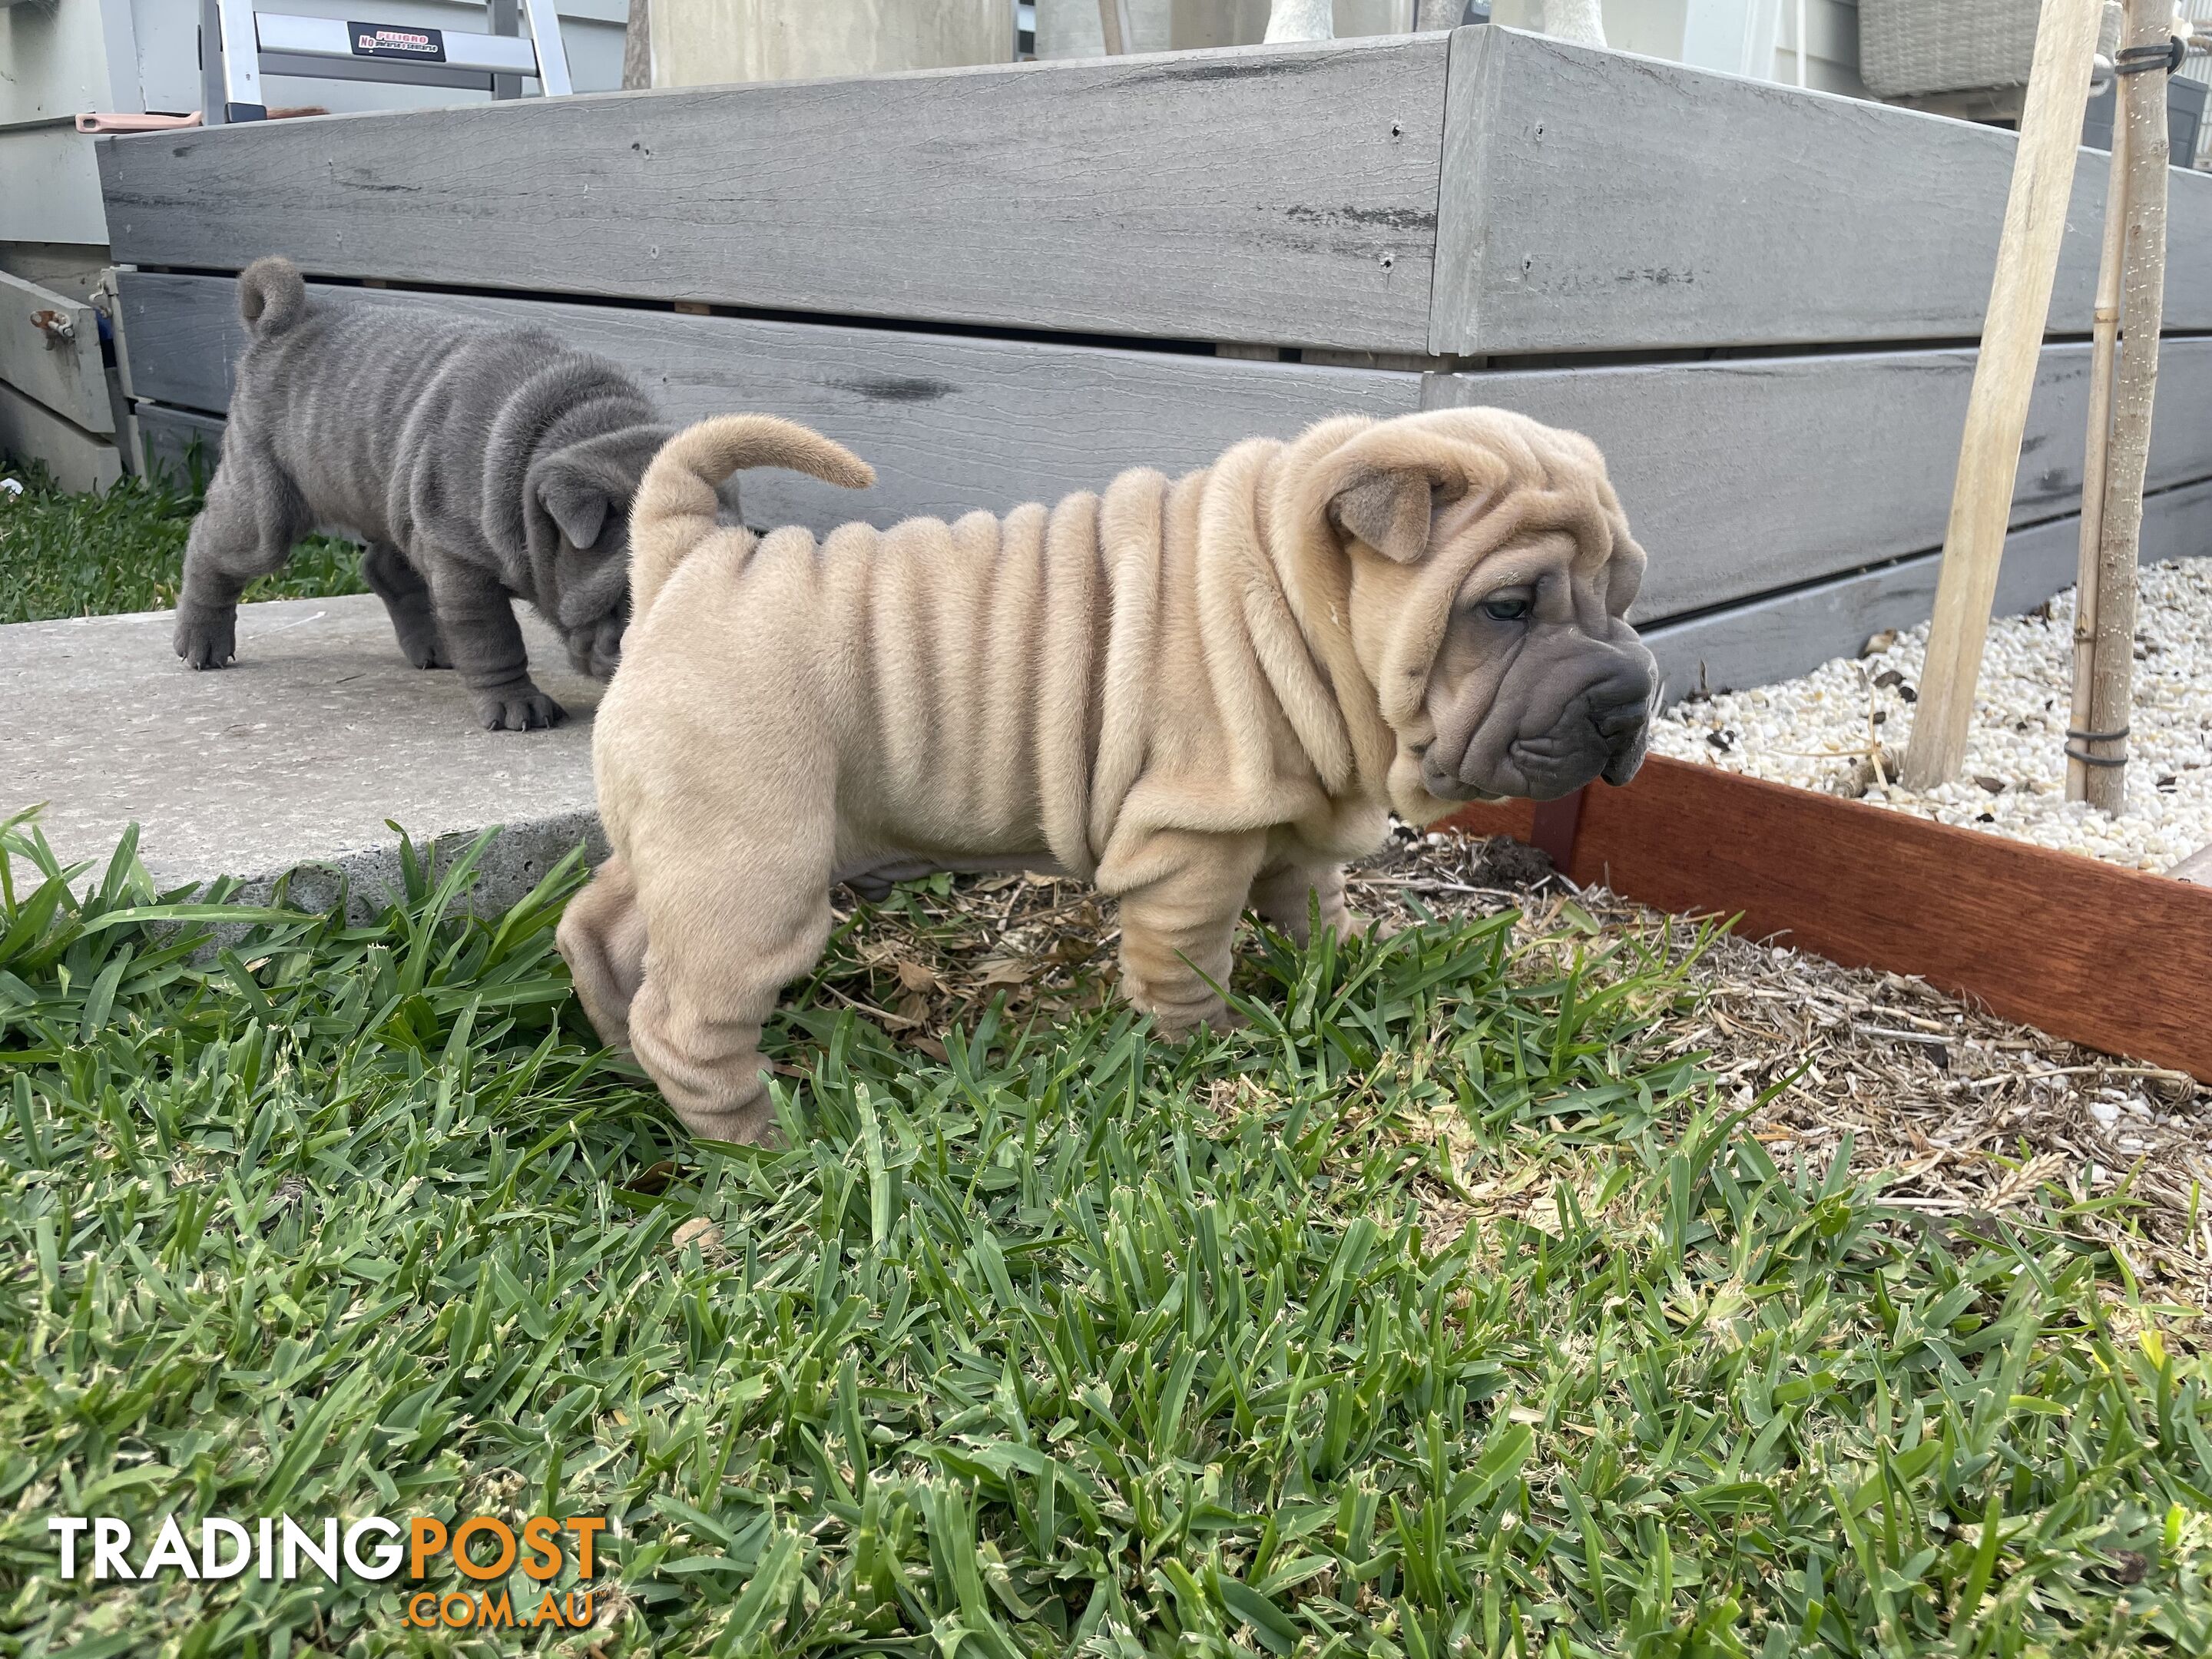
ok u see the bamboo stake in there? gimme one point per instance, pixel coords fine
(2143, 306)
(2095, 461)
(2004, 378)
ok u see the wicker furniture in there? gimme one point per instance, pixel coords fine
(1909, 48)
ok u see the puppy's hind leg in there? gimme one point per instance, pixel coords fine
(727, 928)
(246, 527)
(602, 938)
(406, 599)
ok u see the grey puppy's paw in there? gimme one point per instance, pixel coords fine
(521, 708)
(206, 637)
(422, 648)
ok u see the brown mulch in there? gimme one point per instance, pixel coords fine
(1963, 1114)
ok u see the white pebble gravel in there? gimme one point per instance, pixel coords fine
(1823, 732)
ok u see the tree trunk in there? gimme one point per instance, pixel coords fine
(2097, 458)
(1580, 21)
(1302, 20)
(2143, 305)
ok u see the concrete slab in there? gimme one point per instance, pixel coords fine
(296, 755)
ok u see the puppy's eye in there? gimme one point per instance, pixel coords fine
(1506, 609)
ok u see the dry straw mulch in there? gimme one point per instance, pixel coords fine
(1962, 1114)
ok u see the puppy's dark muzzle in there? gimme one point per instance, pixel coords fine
(1570, 715)
(1626, 730)
(1601, 733)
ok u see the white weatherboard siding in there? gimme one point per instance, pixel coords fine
(1070, 29)
(49, 187)
(1758, 38)
(139, 55)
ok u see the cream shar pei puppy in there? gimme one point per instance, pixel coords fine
(1199, 694)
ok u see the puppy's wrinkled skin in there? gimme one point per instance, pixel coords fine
(480, 464)
(1199, 694)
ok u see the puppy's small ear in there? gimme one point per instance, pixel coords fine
(1388, 511)
(576, 503)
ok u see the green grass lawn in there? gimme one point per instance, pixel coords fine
(1431, 1313)
(65, 554)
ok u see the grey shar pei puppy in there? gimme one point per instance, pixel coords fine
(480, 464)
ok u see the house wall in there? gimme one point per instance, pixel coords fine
(1070, 29)
(714, 42)
(141, 55)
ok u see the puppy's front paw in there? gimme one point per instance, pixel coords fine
(1180, 1020)
(1376, 928)
(521, 708)
(423, 650)
(207, 636)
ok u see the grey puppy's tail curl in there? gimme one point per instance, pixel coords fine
(271, 295)
(677, 503)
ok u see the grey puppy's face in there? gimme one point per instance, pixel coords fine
(579, 498)
(591, 603)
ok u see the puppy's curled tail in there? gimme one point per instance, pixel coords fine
(271, 295)
(676, 500)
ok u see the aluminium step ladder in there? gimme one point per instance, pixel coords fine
(239, 46)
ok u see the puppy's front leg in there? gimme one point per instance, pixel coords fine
(1281, 897)
(475, 619)
(1178, 929)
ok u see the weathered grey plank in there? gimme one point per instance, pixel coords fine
(49, 352)
(78, 459)
(949, 423)
(1785, 635)
(1596, 201)
(1260, 194)
(1749, 475)
(168, 436)
(1741, 477)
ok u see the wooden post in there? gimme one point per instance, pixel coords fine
(1114, 26)
(2095, 452)
(637, 46)
(2004, 378)
(2143, 304)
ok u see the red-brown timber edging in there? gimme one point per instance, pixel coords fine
(2117, 959)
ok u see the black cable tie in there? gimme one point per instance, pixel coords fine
(2073, 753)
(2140, 60)
(2096, 736)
